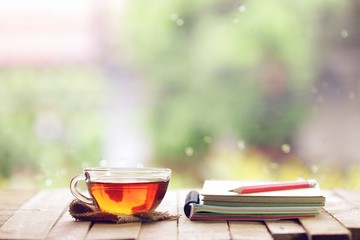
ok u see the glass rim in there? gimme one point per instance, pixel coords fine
(126, 169)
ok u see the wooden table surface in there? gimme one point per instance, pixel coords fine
(44, 215)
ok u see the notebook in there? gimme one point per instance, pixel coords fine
(216, 202)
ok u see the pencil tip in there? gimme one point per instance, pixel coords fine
(236, 190)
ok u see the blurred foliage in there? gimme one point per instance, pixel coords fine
(212, 63)
(253, 165)
(220, 70)
(49, 124)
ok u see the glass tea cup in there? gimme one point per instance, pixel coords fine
(123, 190)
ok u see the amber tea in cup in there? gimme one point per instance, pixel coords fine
(123, 190)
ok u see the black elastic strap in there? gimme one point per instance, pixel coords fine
(192, 197)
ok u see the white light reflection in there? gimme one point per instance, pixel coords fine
(189, 151)
(344, 34)
(180, 22)
(174, 17)
(285, 148)
(314, 169)
(241, 145)
(48, 182)
(242, 8)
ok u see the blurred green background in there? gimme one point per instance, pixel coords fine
(214, 89)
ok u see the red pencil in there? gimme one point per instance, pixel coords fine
(275, 186)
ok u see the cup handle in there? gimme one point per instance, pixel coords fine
(76, 193)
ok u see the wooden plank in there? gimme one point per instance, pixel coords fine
(349, 196)
(5, 215)
(11, 200)
(38, 219)
(286, 230)
(164, 229)
(35, 218)
(248, 230)
(67, 228)
(345, 207)
(199, 229)
(324, 226)
(102, 231)
(202, 230)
